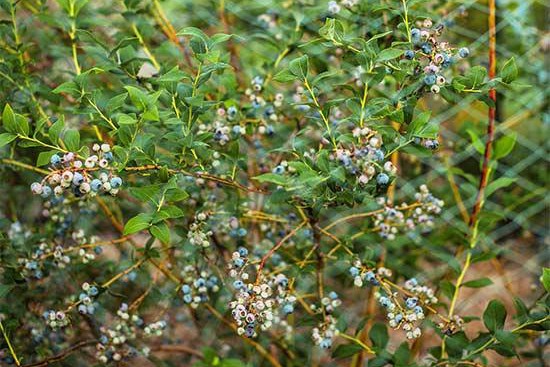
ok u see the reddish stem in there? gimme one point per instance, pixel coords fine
(492, 117)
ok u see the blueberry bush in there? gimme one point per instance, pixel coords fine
(222, 183)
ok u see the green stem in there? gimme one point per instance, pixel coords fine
(406, 20)
(357, 341)
(10, 347)
(323, 117)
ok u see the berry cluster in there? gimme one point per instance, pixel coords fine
(406, 316)
(195, 289)
(365, 160)
(114, 342)
(256, 304)
(87, 305)
(55, 319)
(198, 235)
(33, 267)
(326, 330)
(362, 274)
(434, 55)
(393, 220)
(69, 173)
(334, 7)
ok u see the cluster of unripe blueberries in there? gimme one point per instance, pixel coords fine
(404, 218)
(406, 316)
(257, 305)
(76, 175)
(325, 332)
(195, 289)
(438, 55)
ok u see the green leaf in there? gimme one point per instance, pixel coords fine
(139, 98)
(504, 145)
(72, 140)
(545, 278)
(509, 71)
(55, 130)
(8, 119)
(346, 350)
(499, 183)
(522, 312)
(389, 54)
(137, 223)
(44, 158)
(378, 334)
(476, 141)
(299, 67)
(70, 88)
(478, 283)
(333, 30)
(124, 119)
(477, 75)
(284, 76)
(174, 75)
(422, 128)
(161, 231)
(494, 316)
(5, 289)
(6, 138)
(22, 125)
(272, 178)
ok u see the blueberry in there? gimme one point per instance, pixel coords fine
(238, 262)
(241, 232)
(464, 52)
(333, 295)
(279, 169)
(382, 179)
(288, 308)
(116, 182)
(430, 79)
(93, 291)
(411, 302)
(78, 179)
(96, 185)
(409, 54)
(415, 35)
(243, 252)
(426, 48)
(326, 343)
(108, 156)
(55, 160)
(186, 289)
(353, 271)
(187, 298)
(46, 191)
(238, 284)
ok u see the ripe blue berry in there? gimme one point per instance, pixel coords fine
(409, 54)
(78, 179)
(430, 79)
(415, 35)
(464, 52)
(382, 179)
(96, 184)
(55, 160)
(116, 182)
